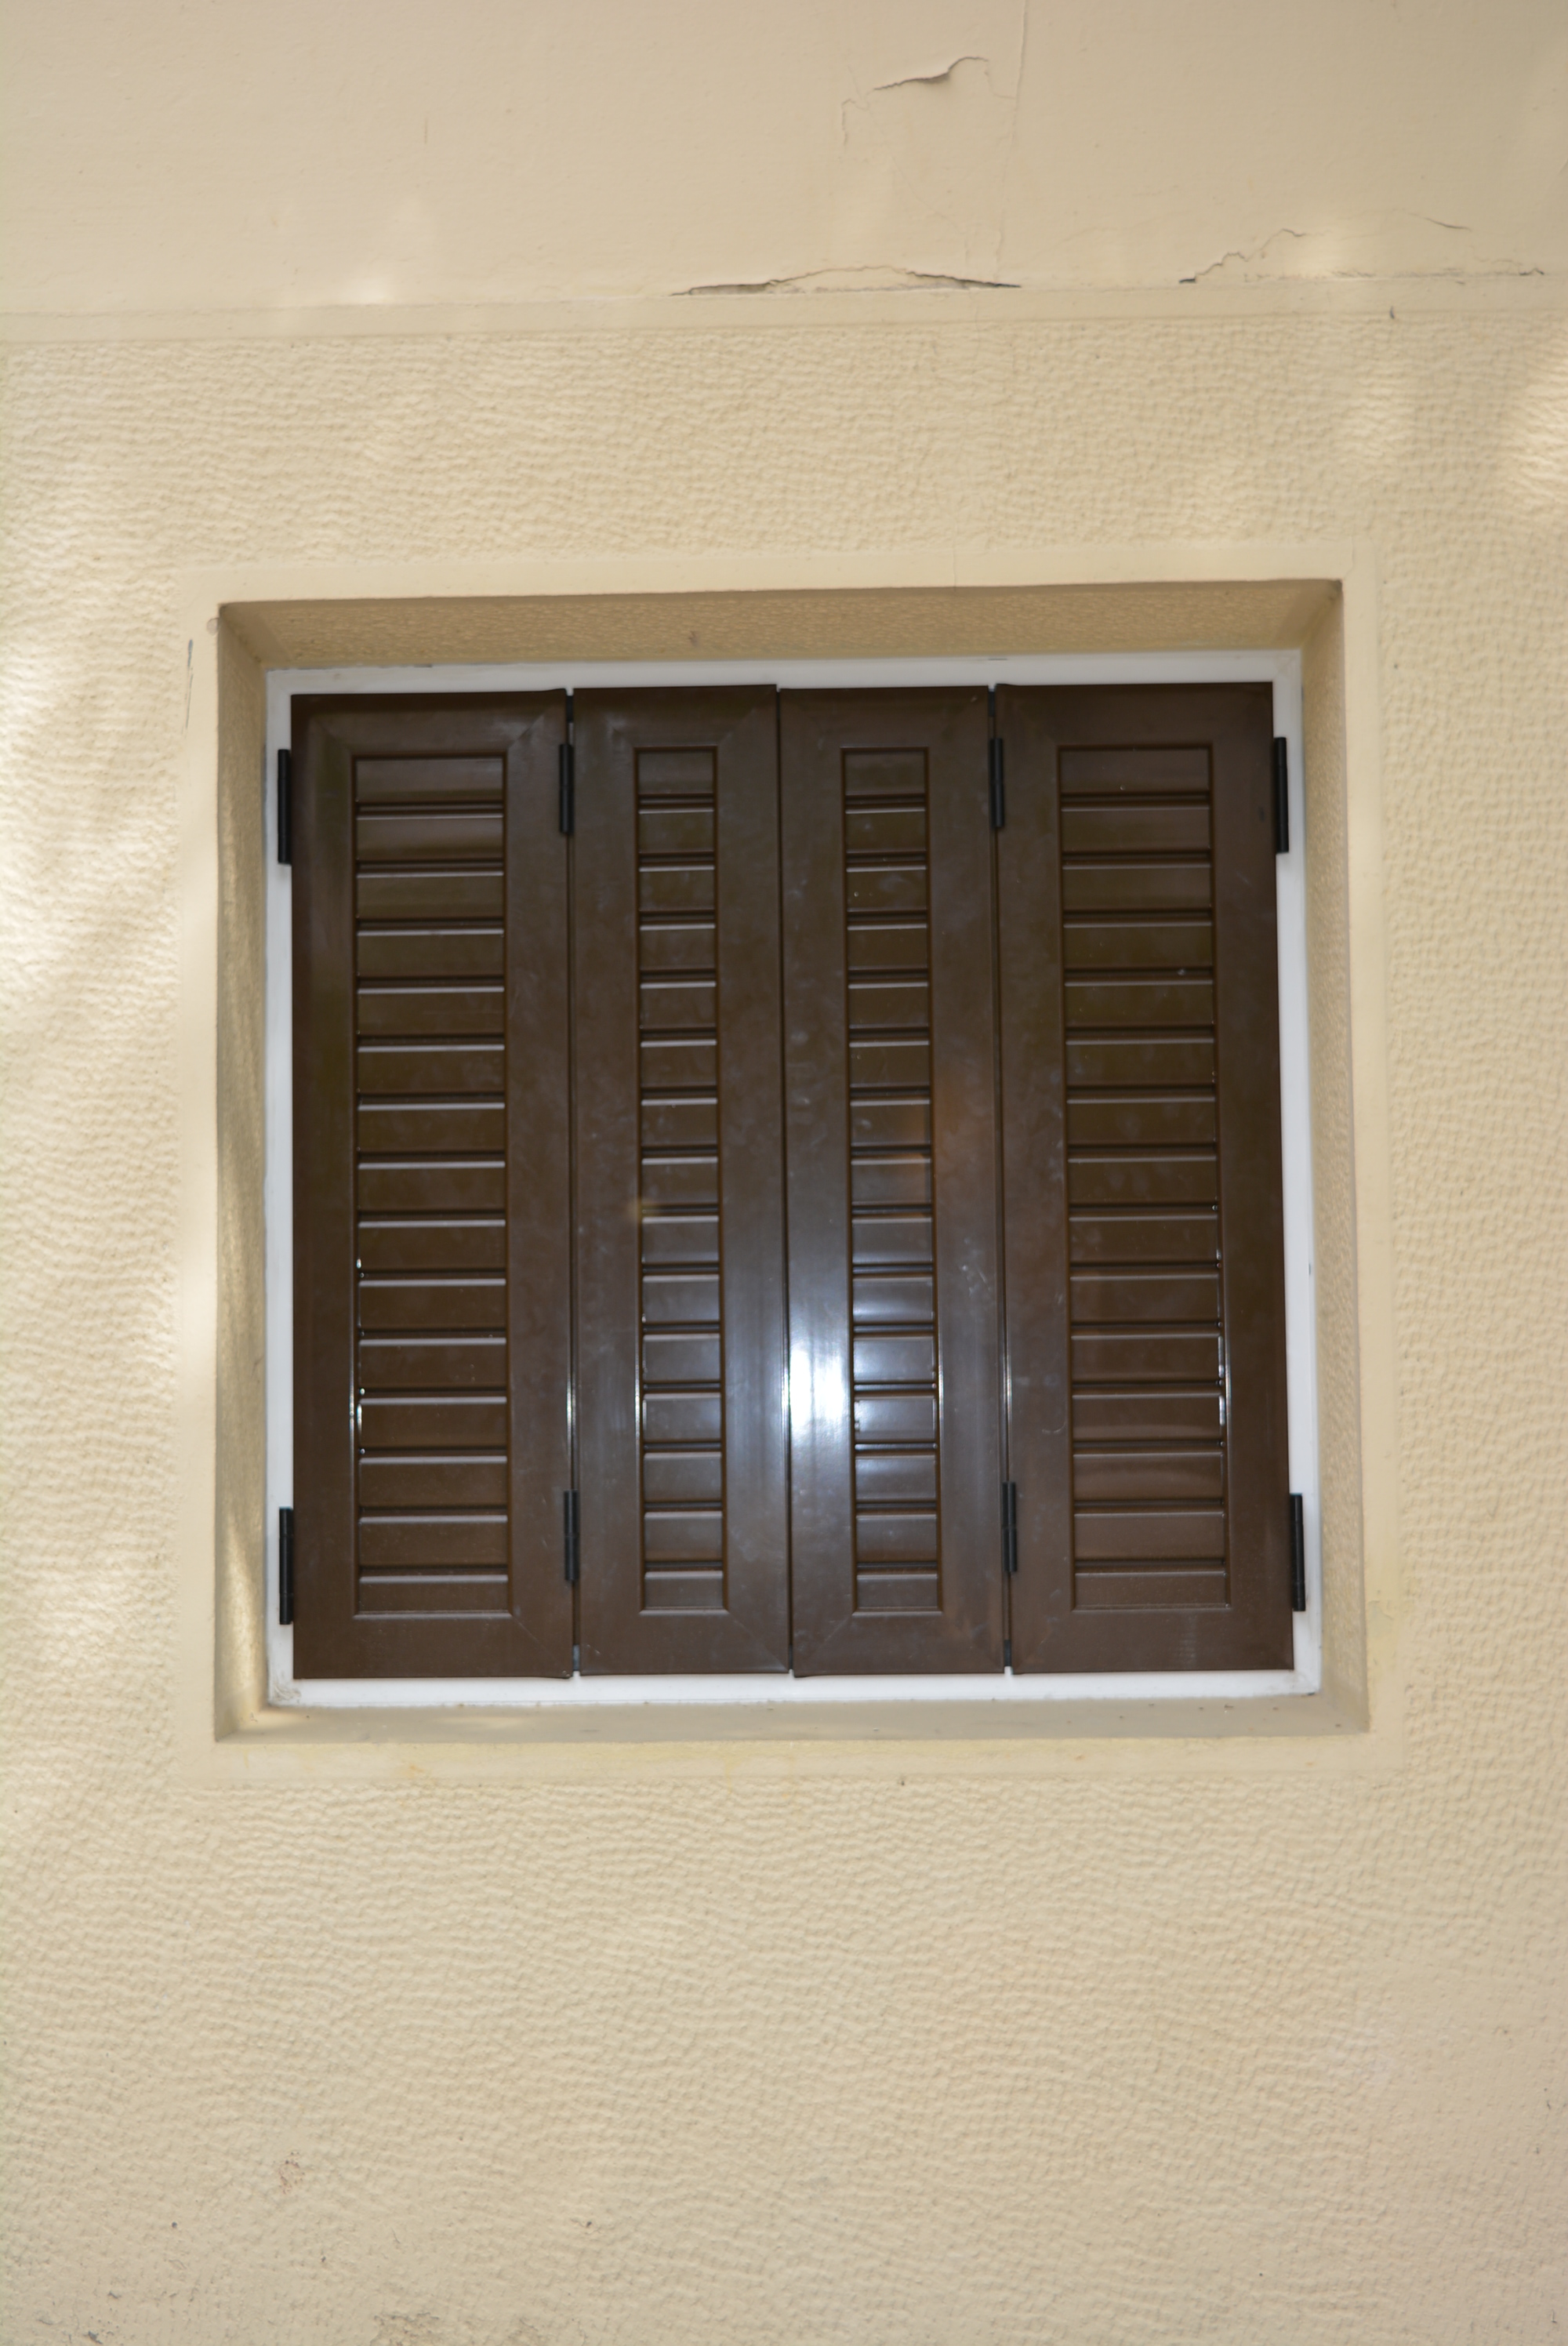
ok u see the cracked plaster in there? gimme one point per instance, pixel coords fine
(366, 157)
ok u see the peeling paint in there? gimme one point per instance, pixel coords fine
(971, 140)
(922, 174)
(944, 73)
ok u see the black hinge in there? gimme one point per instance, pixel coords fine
(568, 767)
(998, 787)
(1297, 1555)
(1010, 1527)
(1281, 797)
(285, 1565)
(569, 1517)
(285, 806)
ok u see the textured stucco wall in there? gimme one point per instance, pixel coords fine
(633, 2052)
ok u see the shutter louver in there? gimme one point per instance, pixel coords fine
(680, 1183)
(896, 1554)
(432, 1232)
(1141, 1180)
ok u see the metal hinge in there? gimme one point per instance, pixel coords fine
(285, 806)
(998, 786)
(570, 1526)
(567, 767)
(1297, 1555)
(1281, 797)
(285, 1565)
(1010, 1528)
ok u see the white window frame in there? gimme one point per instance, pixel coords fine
(1281, 669)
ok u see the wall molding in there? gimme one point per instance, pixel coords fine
(1516, 294)
(228, 1729)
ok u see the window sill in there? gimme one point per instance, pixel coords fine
(1004, 1691)
(822, 1733)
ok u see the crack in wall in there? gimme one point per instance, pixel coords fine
(1013, 126)
(1331, 263)
(914, 81)
(1245, 258)
(872, 279)
(926, 159)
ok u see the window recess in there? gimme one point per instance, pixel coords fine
(816, 1210)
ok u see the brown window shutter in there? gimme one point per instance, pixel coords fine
(896, 1454)
(1144, 1257)
(432, 1217)
(682, 1429)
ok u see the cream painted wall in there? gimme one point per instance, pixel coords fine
(855, 2047)
(176, 156)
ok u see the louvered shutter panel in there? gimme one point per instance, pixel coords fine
(431, 1224)
(896, 1460)
(1144, 1260)
(682, 1420)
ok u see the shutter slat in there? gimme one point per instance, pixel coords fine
(479, 1244)
(392, 895)
(478, 951)
(450, 1422)
(392, 781)
(432, 1010)
(446, 1597)
(440, 1185)
(405, 1068)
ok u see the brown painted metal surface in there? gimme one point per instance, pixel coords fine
(1145, 1308)
(432, 1297)
(896, 1455)
(680, 1191)
(543, 1094)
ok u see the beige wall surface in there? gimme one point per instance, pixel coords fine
(865, 2048)
(634, 2054)
(173, 156)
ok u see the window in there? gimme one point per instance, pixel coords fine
(753, 1214)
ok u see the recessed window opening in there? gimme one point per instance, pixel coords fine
(789, 1183)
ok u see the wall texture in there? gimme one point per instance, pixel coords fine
(1114, 2056)
(637, 2056)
